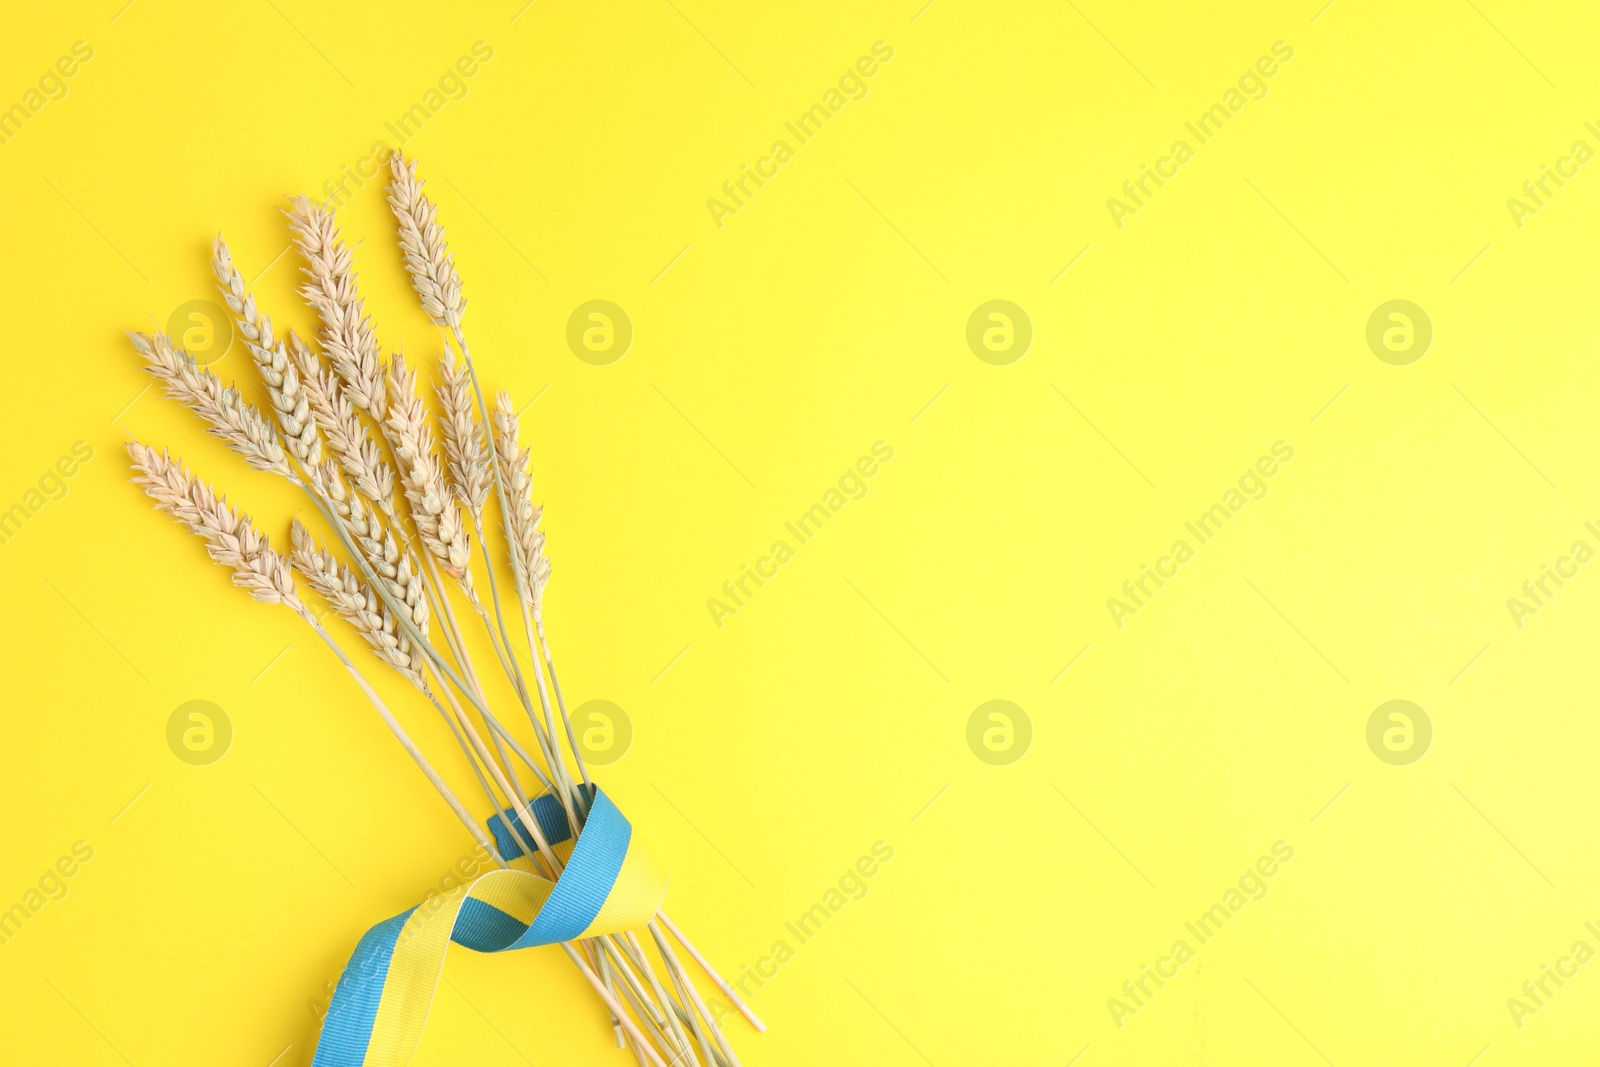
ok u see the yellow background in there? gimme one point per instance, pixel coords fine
(768, 355)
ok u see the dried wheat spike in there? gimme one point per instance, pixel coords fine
(428, 259)
(228, 416)
(355, 602)
(348, 437)
(433, 508)
(396, 568)
(281, 378)
(231, 538)
(528, 560)
(347, 335)
(466, 452)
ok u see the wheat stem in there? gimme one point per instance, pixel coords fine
(400, 734)
(555, 684)
(458, 645)
(634, 955)
(402, 617)
(461, 740)
(686, 985)
(513, 797)
(644, 1007)
(711, 972)
(617, 1011)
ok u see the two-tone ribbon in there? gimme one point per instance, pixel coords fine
(610, 883)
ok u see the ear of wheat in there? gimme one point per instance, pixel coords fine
(354, 432)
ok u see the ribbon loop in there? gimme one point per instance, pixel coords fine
(610, 884)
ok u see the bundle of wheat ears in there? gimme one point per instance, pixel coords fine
(354, 432)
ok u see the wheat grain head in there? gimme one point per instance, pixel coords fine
(465, 449)
(395, 566)
(231, 538)
(347, 335)
(355, 602)
(526, 540)
(272, 361)
(422, 243)
(433, 507)
(348, 438)
(228, 416)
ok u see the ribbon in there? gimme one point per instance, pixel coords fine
(610, 883)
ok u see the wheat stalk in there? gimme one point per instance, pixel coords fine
(529, 565)
(433, 276)
(468, 465)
